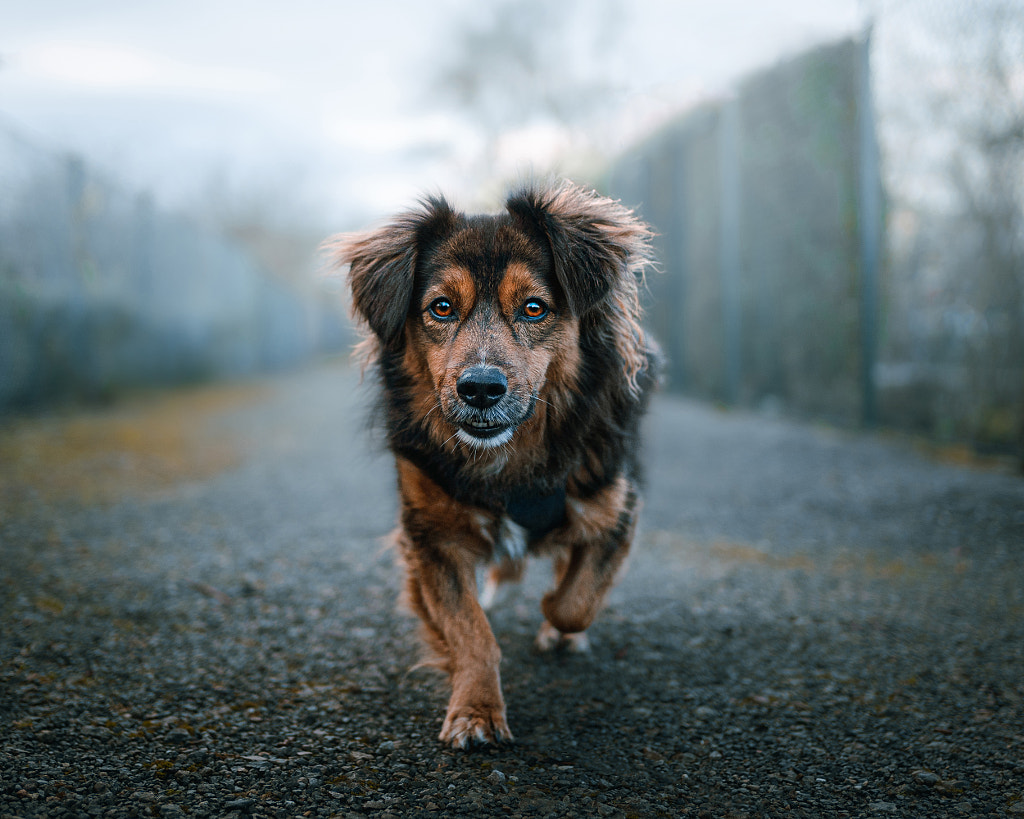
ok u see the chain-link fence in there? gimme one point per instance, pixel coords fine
(755, 200)
(780, 285)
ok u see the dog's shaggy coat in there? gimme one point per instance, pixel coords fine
(514, 373)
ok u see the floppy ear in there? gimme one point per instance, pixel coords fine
(595, 242)
(382, 265)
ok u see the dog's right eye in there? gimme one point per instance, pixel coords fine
(442, 309)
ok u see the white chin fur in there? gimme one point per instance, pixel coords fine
(486, 443)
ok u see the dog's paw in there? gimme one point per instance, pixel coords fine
(489, 595)
(464, 727)
(549, 638)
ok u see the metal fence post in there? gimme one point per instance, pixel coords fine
(869, 226)
(729, 245)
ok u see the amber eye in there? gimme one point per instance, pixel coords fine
(442, 309)
(534, 310)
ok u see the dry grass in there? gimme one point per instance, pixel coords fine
(141, 447)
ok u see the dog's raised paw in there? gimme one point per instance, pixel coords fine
(549, 638)
(463, 729)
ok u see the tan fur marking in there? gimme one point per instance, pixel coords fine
(455, 283)
(435, 508)
(563, 372)
(426, 404)
(589, 518)
(519, 284)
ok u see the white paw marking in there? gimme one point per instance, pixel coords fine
(578, 643)
(549, 638)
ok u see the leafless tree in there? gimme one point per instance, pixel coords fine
(986, 169)
(521, 62)
(960, 123)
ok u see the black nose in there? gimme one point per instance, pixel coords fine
(482, 387)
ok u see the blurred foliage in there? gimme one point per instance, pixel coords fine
(522, 60)
(100, 290)
(540, 71)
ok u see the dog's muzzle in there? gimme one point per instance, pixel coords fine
(484, 420)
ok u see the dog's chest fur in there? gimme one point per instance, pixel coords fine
(528, 517)
(512, 542)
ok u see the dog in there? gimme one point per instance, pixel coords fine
(514, 373)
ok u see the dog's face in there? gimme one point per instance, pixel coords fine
(485, 311)
(488, 325)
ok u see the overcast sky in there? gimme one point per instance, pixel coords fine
(326, 104)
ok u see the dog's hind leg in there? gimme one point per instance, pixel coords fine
(600, 532)
(507, 571)
(548, 637)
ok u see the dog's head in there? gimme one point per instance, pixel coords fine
(485, 312)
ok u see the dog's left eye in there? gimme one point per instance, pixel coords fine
(534, 310)
(442, 309)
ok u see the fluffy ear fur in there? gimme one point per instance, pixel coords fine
(382, 265)
(596, 243)
(600, 252)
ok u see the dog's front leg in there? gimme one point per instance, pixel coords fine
(441, 545)
(599, 533)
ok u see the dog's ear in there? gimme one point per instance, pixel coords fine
(382, 265)
(594, 241)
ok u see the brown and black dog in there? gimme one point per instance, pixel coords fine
(514, 374)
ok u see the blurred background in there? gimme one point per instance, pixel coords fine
(838, 186)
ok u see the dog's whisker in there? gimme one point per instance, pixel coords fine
(455, 435)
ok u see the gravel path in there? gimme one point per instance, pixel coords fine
(198, 619)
